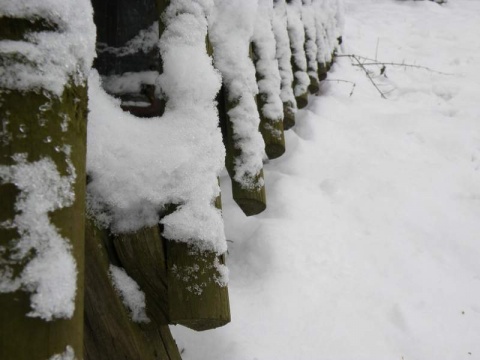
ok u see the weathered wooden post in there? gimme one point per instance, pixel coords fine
(270, 107)
(284, 55)
(110, 332)
(142, 254)
(128, 56)
(196, 275)
(296, 32)
(251, 199)
(308, 18)
(245, 148)
(197, 293)
(42, 177)
(322, 47)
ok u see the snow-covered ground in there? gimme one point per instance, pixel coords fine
(370, 245)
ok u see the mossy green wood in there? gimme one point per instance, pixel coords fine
(142, 254)
(288, 115)
(288, 110)
(109, 331)
(272, 132)
(252, 201)
(39, 134)
(322, 71)
(271, 129)
(312, 69)
(329, 64)
(198, 311)
(301, 99)
(314, 86)
(196, 299)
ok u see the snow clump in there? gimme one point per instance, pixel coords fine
(51, 58)
(133, 298)
(51, 273)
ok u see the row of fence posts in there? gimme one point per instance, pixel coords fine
(101, 327)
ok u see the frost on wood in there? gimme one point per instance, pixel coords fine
(49, 58)
(283, 53)
(266, 63)
(190, 274)
(138, 166)
(132, 297)
(231, 30)
(296, 32)
(49, 271)
(68, 354)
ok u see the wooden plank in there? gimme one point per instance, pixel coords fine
(109, 331)
(31, 124)
(196, 299)
(142, 255)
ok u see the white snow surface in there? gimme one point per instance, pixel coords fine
(129, 291)
(53, 57)
(369, 248)
(50, 271)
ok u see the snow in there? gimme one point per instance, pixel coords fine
(329, 19)
(51, 273)
(52, 57)
(145, 41)
(283, 53)
(308, 18)
(296, 32)
(68, 354)
(266, 63)
(231, 28)
(369, 246)
(129, 82)
(140, 166)
(128, 290)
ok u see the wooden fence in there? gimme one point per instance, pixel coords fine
(43, 175)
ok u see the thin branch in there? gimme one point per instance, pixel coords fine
(406, 65)
(374, 62)
(369, 77)
(345, 81)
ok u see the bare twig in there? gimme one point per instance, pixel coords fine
(344, 81)
(363, 62)
(407, 65)
(375, 62)
(369, 76)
